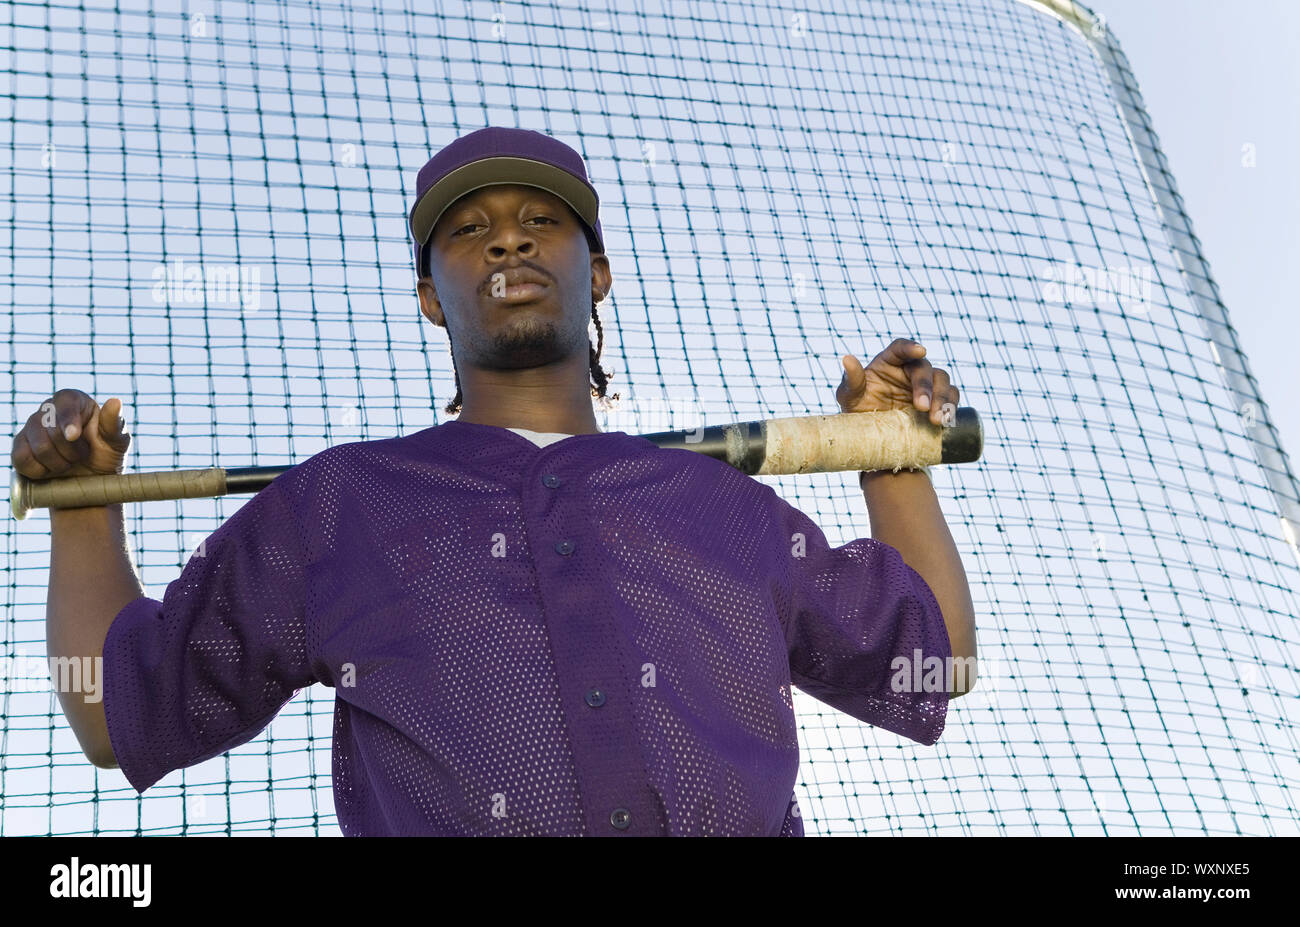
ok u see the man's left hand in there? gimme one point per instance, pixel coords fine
(899, 377)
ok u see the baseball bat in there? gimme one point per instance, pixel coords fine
(802, 444)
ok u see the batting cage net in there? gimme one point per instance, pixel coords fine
(206, 216)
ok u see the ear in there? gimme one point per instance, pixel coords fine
(601, 280)
(430, 308)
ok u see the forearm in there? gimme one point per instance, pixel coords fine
(905, 514)
(91, 579)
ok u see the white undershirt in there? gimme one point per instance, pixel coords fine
(541, 438)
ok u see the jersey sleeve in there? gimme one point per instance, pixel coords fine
(860, 627)
(206, 668)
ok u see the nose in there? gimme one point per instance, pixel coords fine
(511, 239)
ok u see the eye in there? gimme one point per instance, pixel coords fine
(474, 226)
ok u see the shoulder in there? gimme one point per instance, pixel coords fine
(708, 491)
(344, 465)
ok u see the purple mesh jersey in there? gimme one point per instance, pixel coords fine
(592, 637)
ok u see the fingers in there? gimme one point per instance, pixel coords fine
(899, 370)
(922, 376)
(948, 408)
(902, 350)
(44, 447)
(941, 399)
(40, 446)
(932, 390)
(942, 385)
(24, 461)
(72, 409)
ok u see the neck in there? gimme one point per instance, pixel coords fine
(553, 397)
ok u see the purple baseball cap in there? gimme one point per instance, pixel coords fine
(497, 155)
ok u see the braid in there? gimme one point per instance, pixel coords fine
(598, 375)
(453, 407)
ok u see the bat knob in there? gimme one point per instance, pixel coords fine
(963, 440)
(19, 502)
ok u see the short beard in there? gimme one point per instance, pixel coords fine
(531, 342)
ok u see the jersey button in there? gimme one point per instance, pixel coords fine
(564, 548)
(620, 818)
(551, 480)
(595, 698)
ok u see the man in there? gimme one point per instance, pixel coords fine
(532, 627)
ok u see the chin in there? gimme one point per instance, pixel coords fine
(527, 342)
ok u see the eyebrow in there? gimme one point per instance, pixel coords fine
(455, 214)
(539, 198)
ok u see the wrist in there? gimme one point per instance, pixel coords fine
(864, 474)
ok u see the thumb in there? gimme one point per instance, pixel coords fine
(112, 423)
(853, 372)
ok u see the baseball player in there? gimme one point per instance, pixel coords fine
(532, 627)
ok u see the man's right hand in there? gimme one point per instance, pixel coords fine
(71, 435)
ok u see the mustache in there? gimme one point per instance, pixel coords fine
(542, 271)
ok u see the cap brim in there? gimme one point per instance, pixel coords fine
(490, 172)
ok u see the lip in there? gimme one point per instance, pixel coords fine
(523, 292)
